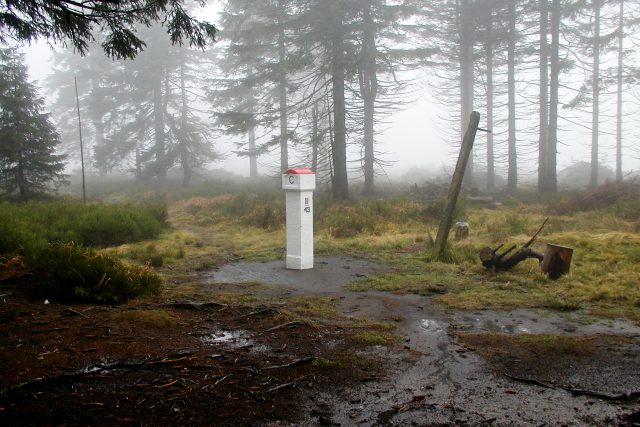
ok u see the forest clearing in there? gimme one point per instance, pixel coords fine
(384, 334)
(152, 271)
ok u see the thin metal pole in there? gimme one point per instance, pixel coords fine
(84, 192)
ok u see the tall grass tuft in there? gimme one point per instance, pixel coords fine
(72, 273)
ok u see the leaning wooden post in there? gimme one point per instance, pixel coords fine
(456, 184)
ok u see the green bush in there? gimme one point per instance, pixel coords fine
(115, 225)
(69, 220)
(16, 237)
(42, 236)
(72, 273)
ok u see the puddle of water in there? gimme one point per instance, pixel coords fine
(431, 326)
(233, 339)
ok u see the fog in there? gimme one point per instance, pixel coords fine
(422, 135)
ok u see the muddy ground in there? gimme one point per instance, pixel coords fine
(169, 361)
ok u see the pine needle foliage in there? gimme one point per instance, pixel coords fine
(29, 164)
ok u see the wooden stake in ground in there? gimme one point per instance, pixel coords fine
(456, 184)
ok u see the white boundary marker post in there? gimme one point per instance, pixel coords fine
(298, 184)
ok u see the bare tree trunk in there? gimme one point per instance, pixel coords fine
(543, 143)
(512, 177)
(466, 77)
(184, 134)
(339, 142)
(595, 112)
(491, 174)
(369, 90)
(314, 138)
(158, 117)
(282, 94)
(253, 157)
(552, 180)
(619, 93)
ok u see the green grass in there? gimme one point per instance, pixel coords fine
(399, 233)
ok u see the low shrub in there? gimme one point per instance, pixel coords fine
(114, 225)
(35, 223)
(72, 273)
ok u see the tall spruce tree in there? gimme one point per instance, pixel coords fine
(261, 55)
(28, 161)
(141, 113)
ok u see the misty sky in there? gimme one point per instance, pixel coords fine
(414, 138)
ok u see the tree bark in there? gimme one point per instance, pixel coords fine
(184, 135)
(512, 177)
(314, 138)
(158, 116)
(282, 95)
(554, 83)
(595, 111)
(253, 157)
(556, 260)
(369, 90)
(619, 93)
(489, 59)
(466, 77)
(543, 142)
(339, 142)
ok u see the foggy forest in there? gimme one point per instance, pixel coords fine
(319, 212)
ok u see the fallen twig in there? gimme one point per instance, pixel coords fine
(530, 381)
(71, 312)
(157, 362)
(288, 325)
(604, 396)
(259, 312)
(281, 387)
(298, 362)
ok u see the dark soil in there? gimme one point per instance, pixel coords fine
(168, 362)
(204, 365)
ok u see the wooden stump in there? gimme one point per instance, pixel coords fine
(556, 260)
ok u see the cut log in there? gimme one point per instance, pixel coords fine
(556, 260)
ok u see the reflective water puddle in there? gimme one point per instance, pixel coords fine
(233, 339)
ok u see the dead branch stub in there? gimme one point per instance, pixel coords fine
(495, 262)
(555, 261)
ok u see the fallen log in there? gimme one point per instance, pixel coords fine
(495, 262)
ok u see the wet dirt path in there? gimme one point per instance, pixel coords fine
(434, 378)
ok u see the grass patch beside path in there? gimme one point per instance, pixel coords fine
(399, 233)
(603, 280)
